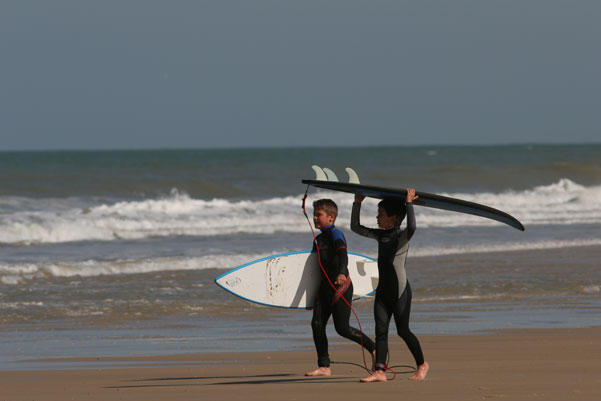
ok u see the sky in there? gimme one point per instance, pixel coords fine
(138, 74)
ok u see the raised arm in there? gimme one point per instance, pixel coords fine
(411, 223)
(356, 226)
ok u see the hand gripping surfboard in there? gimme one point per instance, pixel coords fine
(326, 179)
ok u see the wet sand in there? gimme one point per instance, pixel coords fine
(531, 364)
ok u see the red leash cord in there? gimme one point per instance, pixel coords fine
(336, 289)
(330, 281)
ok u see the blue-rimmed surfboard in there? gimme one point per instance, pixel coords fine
(326, 179)
(291, 280)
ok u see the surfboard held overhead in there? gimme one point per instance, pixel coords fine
(425, 199)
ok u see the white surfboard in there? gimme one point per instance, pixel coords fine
(291, 280)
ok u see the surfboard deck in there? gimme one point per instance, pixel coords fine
(291, 280)
(329, 181)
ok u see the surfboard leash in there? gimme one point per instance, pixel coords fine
(386, 368)
(330, 281)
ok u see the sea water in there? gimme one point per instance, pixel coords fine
(115, 252)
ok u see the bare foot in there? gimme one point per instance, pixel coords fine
(322, 371)
(377, 376)
(422, 371)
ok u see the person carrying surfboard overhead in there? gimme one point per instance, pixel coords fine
(393, 294)
(331, 247)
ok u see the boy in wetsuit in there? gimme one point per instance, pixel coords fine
(334, 259)
(393, 295)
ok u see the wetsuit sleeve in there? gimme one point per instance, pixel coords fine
(356, 226)
(411, 223)
(341, 251)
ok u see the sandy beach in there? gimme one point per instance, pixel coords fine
(532, 364)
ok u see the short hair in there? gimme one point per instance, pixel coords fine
(394, 207)
(328, 205)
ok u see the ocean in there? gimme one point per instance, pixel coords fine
(111, 253)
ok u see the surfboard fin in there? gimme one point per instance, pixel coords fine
(319, 173)
(331, 175)
(326, 174)
(353, 178)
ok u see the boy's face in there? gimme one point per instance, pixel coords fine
(384, 220)
(321, 219)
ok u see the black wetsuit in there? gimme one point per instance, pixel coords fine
(334, 259)
(393, 295)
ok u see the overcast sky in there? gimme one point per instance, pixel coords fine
(79, 74)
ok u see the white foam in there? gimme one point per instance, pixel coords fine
(173, 216)
(18, 305)
(52, 221)
(503, 247)
(592, 289)
(20, 273)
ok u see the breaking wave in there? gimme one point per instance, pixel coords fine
(36, 221)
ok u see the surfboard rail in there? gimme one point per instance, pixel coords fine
(425, 199)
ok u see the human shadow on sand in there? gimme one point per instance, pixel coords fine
(276, 378)
(253, 379)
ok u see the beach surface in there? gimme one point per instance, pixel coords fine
(528, 364)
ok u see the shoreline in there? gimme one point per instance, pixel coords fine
(517, 364)
(205, 319)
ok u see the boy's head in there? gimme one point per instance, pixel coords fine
(391, 212)
(324, 213)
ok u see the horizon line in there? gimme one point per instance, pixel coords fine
(290, 147)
